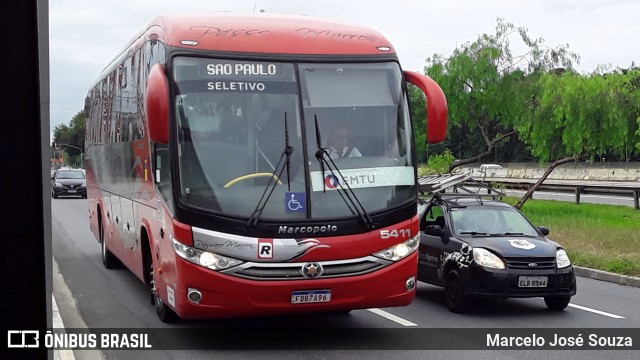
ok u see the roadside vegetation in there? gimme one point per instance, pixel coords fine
(513, 98)
(604, 237)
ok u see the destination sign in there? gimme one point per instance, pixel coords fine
(240, 69)
(241, 86)
(237, 76)
(244, 70)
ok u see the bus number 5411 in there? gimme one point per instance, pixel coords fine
(395, 233)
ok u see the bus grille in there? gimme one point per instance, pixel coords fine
(544, 263)
(280, 271)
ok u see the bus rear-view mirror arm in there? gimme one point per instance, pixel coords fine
(436, 105)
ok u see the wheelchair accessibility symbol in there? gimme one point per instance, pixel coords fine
(295, 202)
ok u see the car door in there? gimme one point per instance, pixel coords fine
(432, 244)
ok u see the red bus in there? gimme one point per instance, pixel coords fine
(212, 173)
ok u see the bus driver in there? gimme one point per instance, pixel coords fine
(339, 145)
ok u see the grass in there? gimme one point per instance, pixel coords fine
(604, 237)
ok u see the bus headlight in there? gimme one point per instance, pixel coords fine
(203, 258)
(399, 251)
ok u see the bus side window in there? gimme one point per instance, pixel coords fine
(162, 173)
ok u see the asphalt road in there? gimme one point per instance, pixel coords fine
(101, 298)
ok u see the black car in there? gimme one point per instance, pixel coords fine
(478, 247)
(68, 182)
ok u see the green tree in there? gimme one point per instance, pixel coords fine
(480, 78)
(72, 134)
(572, 116)
(417, 105)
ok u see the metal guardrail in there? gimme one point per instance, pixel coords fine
(578, 187)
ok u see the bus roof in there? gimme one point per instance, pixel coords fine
(267, 33)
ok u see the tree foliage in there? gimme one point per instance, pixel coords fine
(418, 114)
(572, 116)
(558, 114)
(479, 80)
(582, 115)
(72, 134)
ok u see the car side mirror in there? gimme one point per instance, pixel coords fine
(434, 230)
(544, 230)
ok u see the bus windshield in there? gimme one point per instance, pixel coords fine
(230, 117)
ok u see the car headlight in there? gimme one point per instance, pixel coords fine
(203, 258)
(486, 258)
(84, 184)
(57, 184)
(401, 250)
(562, 259)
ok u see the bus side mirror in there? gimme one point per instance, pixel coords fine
(436, 105)
(157, 105)
(87, 107)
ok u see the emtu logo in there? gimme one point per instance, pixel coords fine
(331, 181)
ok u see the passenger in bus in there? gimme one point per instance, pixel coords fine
(339, 146)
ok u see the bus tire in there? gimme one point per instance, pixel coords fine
(164, 312)
(108, 259)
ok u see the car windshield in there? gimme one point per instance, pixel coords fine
(490, 221)
(230, 117)
(70, 175)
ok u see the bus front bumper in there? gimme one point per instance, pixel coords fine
(225, 296)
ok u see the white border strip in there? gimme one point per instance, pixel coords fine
(59, 354)
(392, 317)
(597, 311)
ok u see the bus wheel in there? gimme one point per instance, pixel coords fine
(108, 259)
(164, 312)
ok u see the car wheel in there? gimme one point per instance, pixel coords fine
(557, 303)
(108, 259)
(53, 194)
(164, 312)
(454, 292)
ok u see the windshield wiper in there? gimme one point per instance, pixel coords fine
(347, 194)
(473, 233)
(511, 234)
(271, 185)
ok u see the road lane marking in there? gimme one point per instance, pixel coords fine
(392, 317)
(597, 311)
